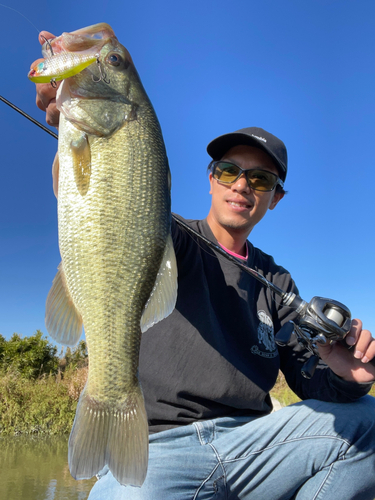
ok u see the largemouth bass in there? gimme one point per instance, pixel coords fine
(118, 272)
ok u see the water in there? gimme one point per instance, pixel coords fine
(36, 468)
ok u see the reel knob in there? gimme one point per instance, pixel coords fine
(309, 367)
(282, 337)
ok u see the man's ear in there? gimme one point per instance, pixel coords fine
(276, 198)
(210, 179)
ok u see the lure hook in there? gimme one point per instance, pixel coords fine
(48, 44)
(103, 75)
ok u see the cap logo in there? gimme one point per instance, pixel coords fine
(260, 138)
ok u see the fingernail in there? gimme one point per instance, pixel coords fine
(350, 340)
(358, 354)
(365, 359)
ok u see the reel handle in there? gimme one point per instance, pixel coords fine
(283, 336)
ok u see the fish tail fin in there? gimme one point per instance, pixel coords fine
(112, 435)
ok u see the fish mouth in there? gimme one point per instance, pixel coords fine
(85, 40)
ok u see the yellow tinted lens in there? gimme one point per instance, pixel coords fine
(226, 172)
(261, 180)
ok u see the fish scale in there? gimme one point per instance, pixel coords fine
(115, 254)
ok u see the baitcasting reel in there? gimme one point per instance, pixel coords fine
(320, 321)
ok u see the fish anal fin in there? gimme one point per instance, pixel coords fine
(81, 155)
(113, 435)
(63, 321)
(164, 294)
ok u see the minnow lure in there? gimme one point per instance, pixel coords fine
(60, 66)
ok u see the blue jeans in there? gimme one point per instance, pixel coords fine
(308, 451)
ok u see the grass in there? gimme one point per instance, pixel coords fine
(282, 392)
(43, 406)
(287, 397)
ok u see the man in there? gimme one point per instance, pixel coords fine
(207, 369)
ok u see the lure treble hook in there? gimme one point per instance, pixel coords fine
(102, 73)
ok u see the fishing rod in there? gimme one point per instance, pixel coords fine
(320, 321)
(23, 113)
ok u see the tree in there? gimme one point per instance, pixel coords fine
(74, 358)
(30, 357)
(2, 347)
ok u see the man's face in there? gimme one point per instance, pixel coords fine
(237, 207)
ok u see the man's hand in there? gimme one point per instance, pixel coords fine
(46, 101)
(45, 93)
(351, 364)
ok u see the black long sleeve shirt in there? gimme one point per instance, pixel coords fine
(215, 355)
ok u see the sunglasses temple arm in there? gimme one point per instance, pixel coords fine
(288, 299)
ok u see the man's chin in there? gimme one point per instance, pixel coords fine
(237, 225)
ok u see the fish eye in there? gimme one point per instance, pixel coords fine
(114, 59)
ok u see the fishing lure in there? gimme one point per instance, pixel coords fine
(60, 66)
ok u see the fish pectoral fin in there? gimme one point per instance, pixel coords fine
(63, 321)
(110, 434)
(81, 156)
(164, 294)
(55, 174)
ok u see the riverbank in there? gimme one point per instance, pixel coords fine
(47, 405)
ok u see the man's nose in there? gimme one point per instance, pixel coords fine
(241, 184)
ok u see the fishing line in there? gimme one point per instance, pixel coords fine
(32, 24)
(20, 13)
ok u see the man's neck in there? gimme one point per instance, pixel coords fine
(232, 239)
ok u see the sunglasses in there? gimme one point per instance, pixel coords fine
(257, 178)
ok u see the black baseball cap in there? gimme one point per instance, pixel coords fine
(252, 136)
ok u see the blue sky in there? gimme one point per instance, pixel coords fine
(302, 70)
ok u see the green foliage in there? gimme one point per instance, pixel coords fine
(41, 406)
(2, 347)
(74, 358)
(30, 357)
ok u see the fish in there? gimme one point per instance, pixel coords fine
(118, 272)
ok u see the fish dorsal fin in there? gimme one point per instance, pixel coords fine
(164, 294)
(63, 321)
